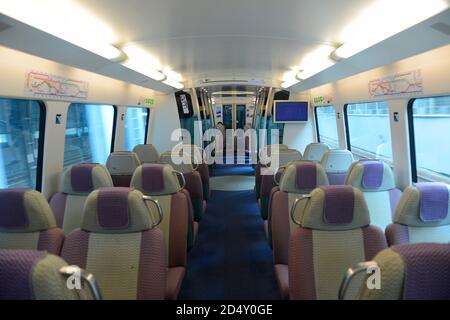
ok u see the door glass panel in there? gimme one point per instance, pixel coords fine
(240, 116)
(228, 116)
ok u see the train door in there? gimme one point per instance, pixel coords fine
(228, 116)
(240, 116)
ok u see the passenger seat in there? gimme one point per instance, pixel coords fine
(422, 215)
(147, 153)
(119, 243)
(265, 152)
(376, 180)
(160, 182)
(299, 179)
(334, 235)
(193, 181)
(412, 272)
(315, 151)
(27, 222)
(77, 182)
(121, 165)
(267, 177)
(336, 164)
(202, 168)
(38, 275)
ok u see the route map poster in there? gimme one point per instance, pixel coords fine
(46, 85)
(399, 84)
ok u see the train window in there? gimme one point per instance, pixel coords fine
(369, 131)
(136, 126)
(89, 133)
(429, 121)
(22, 127)
(326, 126)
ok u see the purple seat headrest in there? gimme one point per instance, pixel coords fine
(112, 208)
(81, 178)
(12, 210)
(433, 201)
(373, 174)
(24, 210)
(152, 178)
(335, 208)
(339, 204)
(306, 175)
(117, 211)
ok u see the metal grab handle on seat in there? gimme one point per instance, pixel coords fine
(69, 271)
(179, 173)
(158, 207)
(351, 273)
(276, 173)
(294, 207)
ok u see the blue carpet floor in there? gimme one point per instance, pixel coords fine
(231, 258)
(232, 170)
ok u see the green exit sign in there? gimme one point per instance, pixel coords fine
(149, 102)
(323, 99)
(319, 99)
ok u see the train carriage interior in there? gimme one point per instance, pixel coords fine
(207, 150)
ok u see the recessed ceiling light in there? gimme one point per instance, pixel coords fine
(382, 20)
(67, 20)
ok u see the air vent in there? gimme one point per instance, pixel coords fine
(442, 27)
(4, 26)
(246, 82)
(223, 81)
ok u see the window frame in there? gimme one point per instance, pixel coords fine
(114, 126)
(147, 119)
(347, 127)
(316, 118)
(147, 126)
(412, 135)
(41, 140)
(412, 140)
(41, 144)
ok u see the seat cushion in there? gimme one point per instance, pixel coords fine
(334, 235)
(319, 259)
(127, 266)
(175, 277)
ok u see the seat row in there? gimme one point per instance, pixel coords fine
(122, 166)
(335, 163)
(333, 232)
(27, 221)
(374, 178)
(304, 191)
(118, 243)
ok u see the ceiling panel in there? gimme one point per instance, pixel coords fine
(223, 41)
(229, 39)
